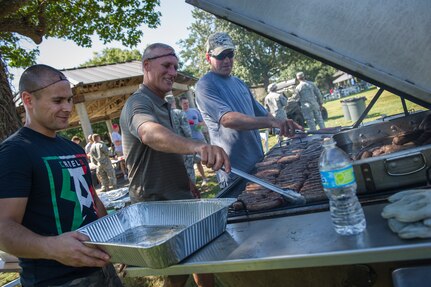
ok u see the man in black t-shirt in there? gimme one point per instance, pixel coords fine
(46, 191)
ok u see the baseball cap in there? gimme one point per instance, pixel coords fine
(300, 75)
(219, 42)
(272, 87)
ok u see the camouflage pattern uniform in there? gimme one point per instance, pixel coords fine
(107, 277)
(310, 99)
(105, 171)
(275, 103)
(182, 128)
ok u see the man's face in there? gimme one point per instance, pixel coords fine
(221, 64)
(185, 104)
(160, 73)
(49, 109)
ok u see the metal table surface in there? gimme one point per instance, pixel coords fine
(299, 241)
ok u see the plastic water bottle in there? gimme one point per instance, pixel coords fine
(339, 184)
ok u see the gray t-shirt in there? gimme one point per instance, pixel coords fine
(217, 95)
(153, 175)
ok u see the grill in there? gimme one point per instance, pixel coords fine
(377, 177)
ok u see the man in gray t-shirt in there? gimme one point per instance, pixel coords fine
(152, 149)
(230, 111)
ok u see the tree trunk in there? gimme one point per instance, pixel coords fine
(9, 118)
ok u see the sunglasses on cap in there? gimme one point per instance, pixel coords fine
(223, 55)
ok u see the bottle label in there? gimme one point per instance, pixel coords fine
(338, 178)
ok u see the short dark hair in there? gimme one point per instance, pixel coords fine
(183, 98)
(39, 76)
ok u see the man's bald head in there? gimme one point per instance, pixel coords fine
(38, 77)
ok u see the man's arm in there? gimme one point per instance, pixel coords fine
(162, 139)
(66, 248)
(239, 121)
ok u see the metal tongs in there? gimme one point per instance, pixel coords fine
(291, 195)
(316, 132)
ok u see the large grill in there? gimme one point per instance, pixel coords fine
(294, 165)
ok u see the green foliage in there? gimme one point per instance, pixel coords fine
(18, 57)
(258, 60)
(112, 55)
(98, 128)
(8, 277)
(387, 105)
(76, 20)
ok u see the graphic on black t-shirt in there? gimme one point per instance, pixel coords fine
(67, 173)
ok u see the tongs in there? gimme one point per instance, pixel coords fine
(318, 132)
(291, 195)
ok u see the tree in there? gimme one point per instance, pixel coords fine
(111, 56)
(258, 60)
(314, 70)
(76, 20)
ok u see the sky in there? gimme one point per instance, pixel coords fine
(61, 54)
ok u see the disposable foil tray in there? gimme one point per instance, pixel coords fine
(160, 233)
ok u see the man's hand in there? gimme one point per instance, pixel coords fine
(213, 157)
(287, 127)
(68, 249)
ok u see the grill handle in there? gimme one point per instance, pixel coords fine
(405, 164)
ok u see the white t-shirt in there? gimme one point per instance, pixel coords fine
(116, 137)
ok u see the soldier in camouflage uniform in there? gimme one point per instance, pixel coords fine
(310, 100)
(275, 103)
(182, 127)
(105, 172)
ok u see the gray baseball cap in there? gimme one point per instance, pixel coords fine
(300, 75)
(219, 42)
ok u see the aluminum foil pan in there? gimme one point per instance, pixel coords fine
(160, 233)
(115, 199)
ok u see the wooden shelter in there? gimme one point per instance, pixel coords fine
(101, 91)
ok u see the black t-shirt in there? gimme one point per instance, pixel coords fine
(53, 173)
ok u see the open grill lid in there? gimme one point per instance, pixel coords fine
(386, 43)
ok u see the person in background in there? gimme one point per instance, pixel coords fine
(46, 192)
(76, 140)
(232, 114)
(310, 100)
(196, 123)
(152, 148)
(118, 148)
(89, 144)
(105, 172)
(276, 103)
(182, 127)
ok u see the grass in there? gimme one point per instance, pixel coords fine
(388, 104)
